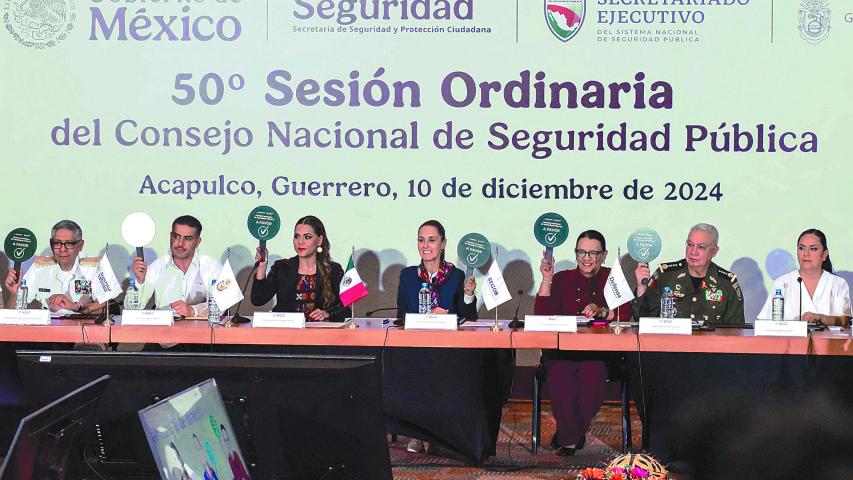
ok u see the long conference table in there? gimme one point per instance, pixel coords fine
(677, 367)
(373, 332)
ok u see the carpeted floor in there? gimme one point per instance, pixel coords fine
(603, 443)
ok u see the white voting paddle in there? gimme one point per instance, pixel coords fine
(138, 231)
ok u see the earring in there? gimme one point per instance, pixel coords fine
(319, 249)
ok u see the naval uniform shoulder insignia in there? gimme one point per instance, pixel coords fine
(44, 261)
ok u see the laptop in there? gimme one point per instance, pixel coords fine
(191, 436)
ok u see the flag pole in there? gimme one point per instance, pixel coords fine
(617, 327)
(496, 327)
(107, 320)
(352, 323)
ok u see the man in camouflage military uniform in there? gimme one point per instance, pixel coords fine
(702, 290)
(63, 281)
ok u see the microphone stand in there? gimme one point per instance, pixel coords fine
(370, 313)
(516, 323)
(237, 318)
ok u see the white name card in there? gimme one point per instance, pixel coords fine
(666, 326)
(160, 318)
(781, 328)
(25, 317)
(279, 320)
(550, 323)
(431, 321)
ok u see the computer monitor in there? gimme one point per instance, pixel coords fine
(47, 440)
(190, 436)
(295, 416)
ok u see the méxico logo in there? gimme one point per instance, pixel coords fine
(39, 23)
(565, 17)
(814, 20)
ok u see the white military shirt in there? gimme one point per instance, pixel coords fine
(45, 278)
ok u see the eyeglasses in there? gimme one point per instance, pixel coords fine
(588, 253)
(68, 244)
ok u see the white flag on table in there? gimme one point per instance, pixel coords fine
(617, 291)
(226, 291)
(494, 290)
(106, 286)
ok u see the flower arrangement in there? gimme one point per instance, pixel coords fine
(627, 467)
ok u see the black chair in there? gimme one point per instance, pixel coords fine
(616, 371)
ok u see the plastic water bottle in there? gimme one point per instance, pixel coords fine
(667, 308)
(424, 299)
(131, 297)
(213, 313)
(22, 298)
(778, 305)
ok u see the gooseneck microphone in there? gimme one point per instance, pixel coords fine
(237, 318)
(370, 313)
(516, 323)
(800, 281)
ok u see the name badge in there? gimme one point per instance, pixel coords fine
(666, 326)
(550, 323)
(25, 317)
(781, 328)
(431, 321)
(159, 318)
(279, 319)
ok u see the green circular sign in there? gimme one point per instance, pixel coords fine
(644, 245)
(20, 245)
(474, 250)
(551, 230)
(263, 223)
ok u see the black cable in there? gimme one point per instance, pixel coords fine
(642, 384)
(510, 466)
(236, 318)
(91, 467)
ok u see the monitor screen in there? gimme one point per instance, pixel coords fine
(294, 416)
(47, 440)
(191, 436)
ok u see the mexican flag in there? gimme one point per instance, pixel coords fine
(352, 288)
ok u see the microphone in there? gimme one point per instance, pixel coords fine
(237, 318)
(370, 313)
(645, 281)
(516, 323)
(800, 281)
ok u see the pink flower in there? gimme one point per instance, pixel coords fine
(638, 472)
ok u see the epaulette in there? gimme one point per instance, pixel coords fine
(44, 261)
(90, 261)
(664, 266)
(733, 279)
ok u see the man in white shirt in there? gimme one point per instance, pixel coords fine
(181, 279)
(63, 281)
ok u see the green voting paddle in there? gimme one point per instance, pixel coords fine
(264, 224)
(20, 246)
(474, 250)
(644, 246)
(551, 230)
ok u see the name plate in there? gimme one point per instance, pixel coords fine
(431, 321)
(159, 318)
(781, 328)
(666, 326)
(25, 317)
(279, 320)
(550, 323)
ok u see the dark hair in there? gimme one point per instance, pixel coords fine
(188, 221)
(827, 264)
(593, 235)
(438, 226)
(324, 260)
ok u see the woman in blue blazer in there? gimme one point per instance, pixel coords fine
(450, 292)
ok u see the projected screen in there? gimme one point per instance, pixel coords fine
(378, 115)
